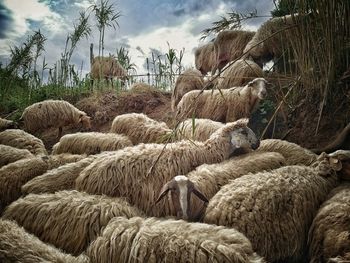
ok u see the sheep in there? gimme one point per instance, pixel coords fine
(229, 45)
(10, 154)
(294, 154)
(197, 129)
(274, 34)
(16, 245)
(74, 218)
(275, 209)
(339, 259)
(205, 58)
(58, 160)
(223, 105)
(190, 79)
(7, 124)
(329, 235)
(60, 178)
(14, 175)
(156, 240)
(138, 173)
(22, 140)
(207, 179)
(141, 87)
(239, 74)
(53, 113)
(107, 67)
(140, 128)
(90, 143)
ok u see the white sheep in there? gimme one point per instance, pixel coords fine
(239, 74)
(75, 218)
(22, 140)
(329, 235)
(53, 113)
(275, 209)
(293, 153)
(206, 180)
(140, 128)
(90, 143)
(16, 245)
(197, 129)
(138, 173)
(190, 79)
(223, 105)
(16, 174)
(9, 154)
(139, 240)
(107, 68)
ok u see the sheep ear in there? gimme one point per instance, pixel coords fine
(198, 193)
(165, 189)
(335, 163)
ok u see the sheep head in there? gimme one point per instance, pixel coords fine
(258, 88)
(181, 189)
(333, 162)
(85, 121)
(344, 160)
(242, 138)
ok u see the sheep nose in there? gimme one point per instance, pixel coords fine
(256, 145)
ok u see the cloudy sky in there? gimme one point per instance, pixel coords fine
(144, 25)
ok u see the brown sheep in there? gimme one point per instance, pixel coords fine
(107, 67)
(205, 58)
(229, 45)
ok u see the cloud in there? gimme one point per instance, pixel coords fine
(5, 20)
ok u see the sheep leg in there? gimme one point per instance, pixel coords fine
(59, 132)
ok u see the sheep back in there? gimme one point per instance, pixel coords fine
(61, 159)
(50, 113)
(273, 209)
(75, 218)
(90, 143)
(293, 153)
(139, 128)
(16, 245)
(190, 79)
(14, 175)
(329, 235)
(155, 240)
(203, 129)
(107, 67)
(6, 124)
(10, 154)
(22, 140)
(205, 58)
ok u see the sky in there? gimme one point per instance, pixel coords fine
(143, 26)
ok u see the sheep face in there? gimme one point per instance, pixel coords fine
(85, 121)
(258, 88)
(181, 188)
(243, 140)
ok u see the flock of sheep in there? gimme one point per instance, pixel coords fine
(206, 190)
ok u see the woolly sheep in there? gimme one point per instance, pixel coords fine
(140, 86)
(74, 218)
(205, 58)
(239, 74)
(61, 159)
(90, 143)
(274, 42)
(22, 140)
(156, 240)
(203, 129)
(60, 178)
(14, 175)
(16, 245)
(223, 105)
(138, 173)
(10, 154)
(107, 67)
(293, 153)
(7, 124)
(140, 128)
(339, 259)
(229, 45)
(207, 179)
(329, 235)
(275, 209)
(53, 113)
(190, 79)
